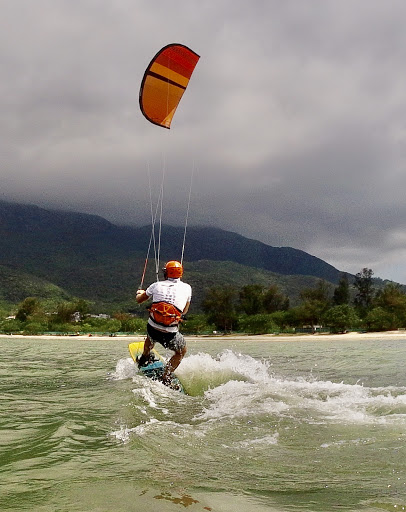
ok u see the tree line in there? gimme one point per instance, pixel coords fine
(34, 317)
(254, 309)
(348, 306)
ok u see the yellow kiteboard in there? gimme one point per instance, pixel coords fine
(155, 367)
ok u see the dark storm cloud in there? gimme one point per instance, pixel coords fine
(293, 124)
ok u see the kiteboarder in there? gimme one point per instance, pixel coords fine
(170, 302)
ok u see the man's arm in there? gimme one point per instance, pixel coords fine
(141, 296)
(186, 308)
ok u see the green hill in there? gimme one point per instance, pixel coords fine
(86, 256)
(16, 285)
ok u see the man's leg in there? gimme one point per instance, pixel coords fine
(148, 346)
(173, 363)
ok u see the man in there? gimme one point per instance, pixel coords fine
(170, 301)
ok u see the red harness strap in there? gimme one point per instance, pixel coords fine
(165, 314)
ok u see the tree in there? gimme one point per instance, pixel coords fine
(342, 292)
(365, 290)
(392, 300)
(66, 310)
(197, 324)
(82, 306)
(10, 326)
(34, 327)
(27, 308)
(254, 299)
(220, 306)
(257, 324)
(273, 300)
(129, 323)
(134, 325)
(282, 319)
(315, 302)
(377, 319)
(251, 299)
(341, 318)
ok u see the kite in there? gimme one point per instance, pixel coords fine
(164, 82)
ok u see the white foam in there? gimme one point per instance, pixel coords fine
(125, 369)
(236, 387)
(260, 442)
(251, 391)
(344, 443)
(227, 363)
(150, 395)
(239, 399)
(124, 433)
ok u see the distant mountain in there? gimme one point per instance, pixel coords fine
(216, 244)
(16, 285)
(87, 256)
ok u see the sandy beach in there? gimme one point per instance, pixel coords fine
(259, 337)
(308, 337)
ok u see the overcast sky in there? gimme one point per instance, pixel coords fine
(293, 124)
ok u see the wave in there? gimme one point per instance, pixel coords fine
(236, 387)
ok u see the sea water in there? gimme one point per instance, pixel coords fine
(313, 425)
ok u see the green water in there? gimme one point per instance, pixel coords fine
(268, 426)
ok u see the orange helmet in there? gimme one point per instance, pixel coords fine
(173, 269)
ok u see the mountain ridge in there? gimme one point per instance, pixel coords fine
(90, 257)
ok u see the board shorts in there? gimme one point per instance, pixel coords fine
(171, 340)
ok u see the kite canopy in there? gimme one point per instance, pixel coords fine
(165, 81)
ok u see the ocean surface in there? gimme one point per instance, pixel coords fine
(313, 425)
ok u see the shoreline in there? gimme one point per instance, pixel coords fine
(226, 337)
(306, 337)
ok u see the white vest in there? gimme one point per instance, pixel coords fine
(173, 291)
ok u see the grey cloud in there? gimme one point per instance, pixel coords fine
(294, 121)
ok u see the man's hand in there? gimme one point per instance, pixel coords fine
(141, 296)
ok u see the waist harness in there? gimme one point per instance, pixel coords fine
(165, 314)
